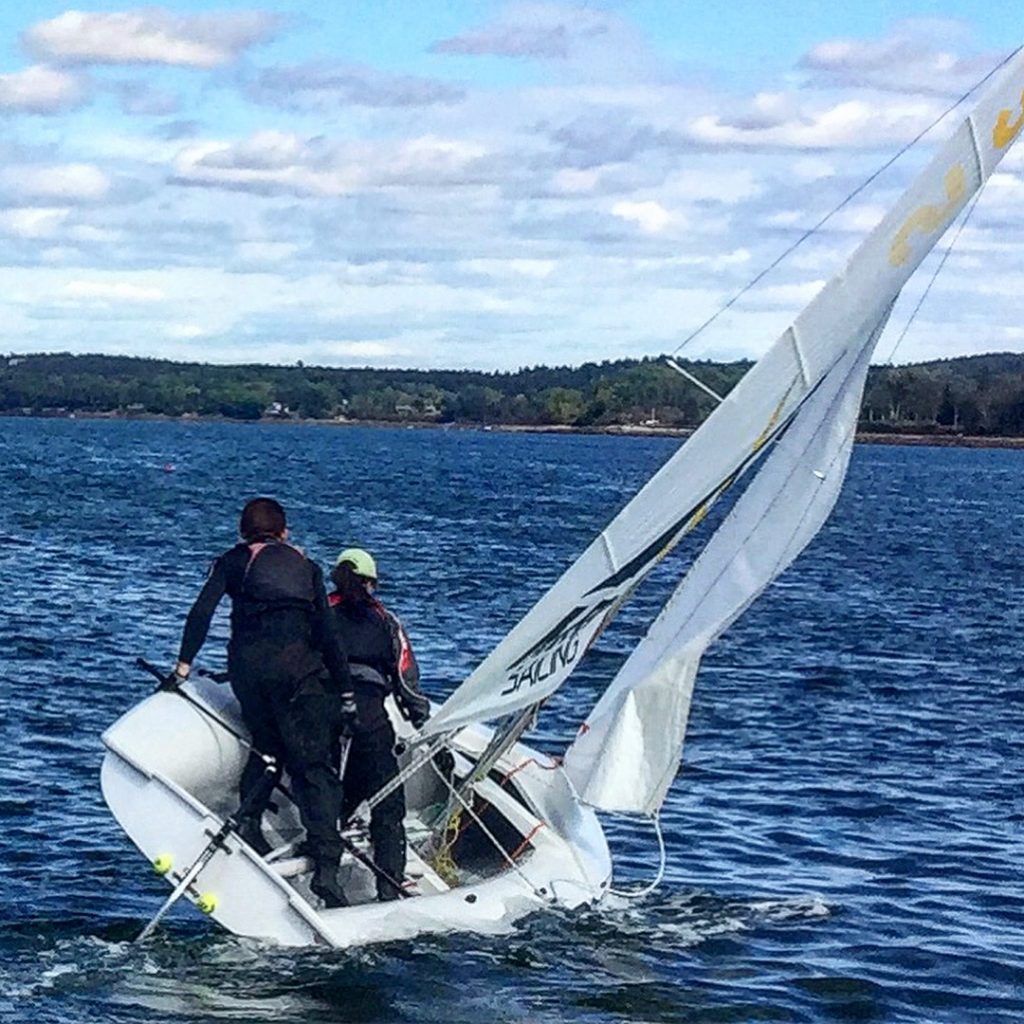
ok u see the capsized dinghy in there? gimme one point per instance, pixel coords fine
(170, 777)
(517, 831)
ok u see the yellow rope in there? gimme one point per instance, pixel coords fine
(442, 861)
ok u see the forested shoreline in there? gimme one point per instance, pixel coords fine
(971, 396)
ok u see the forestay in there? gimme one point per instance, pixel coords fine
(540, 652)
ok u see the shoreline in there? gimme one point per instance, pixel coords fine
(613, 430)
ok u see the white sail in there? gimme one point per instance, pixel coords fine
(626, 753)
(539, 653)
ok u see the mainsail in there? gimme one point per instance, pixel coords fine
(827, 340)
(626, 753)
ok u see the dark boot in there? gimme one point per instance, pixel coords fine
(386, 891)
(251, 833)
(325, 885)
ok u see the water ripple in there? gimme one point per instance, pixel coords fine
(844, 837)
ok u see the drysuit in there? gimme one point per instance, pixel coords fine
(288, 670)
(381, 663)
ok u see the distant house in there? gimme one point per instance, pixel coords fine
(426, 410)
(277, 411)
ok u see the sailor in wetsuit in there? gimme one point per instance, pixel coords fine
(381, 662)
(287, 667)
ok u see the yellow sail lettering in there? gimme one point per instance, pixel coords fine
(698, 515)
(1004, 133)
(929, 218)
(762, 438)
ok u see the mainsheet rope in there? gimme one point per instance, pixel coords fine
(646, 890)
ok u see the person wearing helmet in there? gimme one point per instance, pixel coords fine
(382, 663)
(287, 666)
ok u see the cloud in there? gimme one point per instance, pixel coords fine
(783, 296)
(857, 218)
(649, 216)
(112, 291)
(712, 183)
(319, 84)
(374, 350)
(64, 183)
(571, 181)
(544, 31)
(265, 253)
(917, 56)
(600, 209)
(41, 90)
(32, 222)
(501, 269)
(149, 36)
(179, 129)
(785, 121)
(275, 162)
(812, 168)
(586, 42)
(536, 179)
(1007, 189)
(89, 233)
(602, 137)
(185, 332)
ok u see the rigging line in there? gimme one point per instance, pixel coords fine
(432, 746)
(468, 808)
(635, 894)
(860, 188)
(554, 766)
(938, 270)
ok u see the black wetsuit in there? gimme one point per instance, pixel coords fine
(288, 669)
(381, 663)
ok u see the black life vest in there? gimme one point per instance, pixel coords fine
(366, 633)
(277, 577)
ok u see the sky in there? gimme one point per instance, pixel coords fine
(478, 184)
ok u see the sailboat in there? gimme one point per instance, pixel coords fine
(513, 830)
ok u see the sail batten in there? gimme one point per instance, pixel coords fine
(540, 652)
(795, 338)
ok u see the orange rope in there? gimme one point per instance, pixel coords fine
(555, 763)
(484, 804)
(526, 842)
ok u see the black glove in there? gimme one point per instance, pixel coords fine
(444, 761)
(217, 677)
(171, 682)
(349, 714)
(415, 707)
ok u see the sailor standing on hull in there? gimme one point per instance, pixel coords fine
(381, 663)
(288, 670)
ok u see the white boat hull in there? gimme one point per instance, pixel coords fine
(170, 777)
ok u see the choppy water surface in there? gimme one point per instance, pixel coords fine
(844, 838)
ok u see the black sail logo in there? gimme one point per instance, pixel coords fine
(556, 653)
(563, 645)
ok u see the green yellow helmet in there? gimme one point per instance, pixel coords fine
(361, 561)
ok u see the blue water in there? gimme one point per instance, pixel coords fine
(844, 838)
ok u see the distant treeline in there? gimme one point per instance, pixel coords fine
(974, 395)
